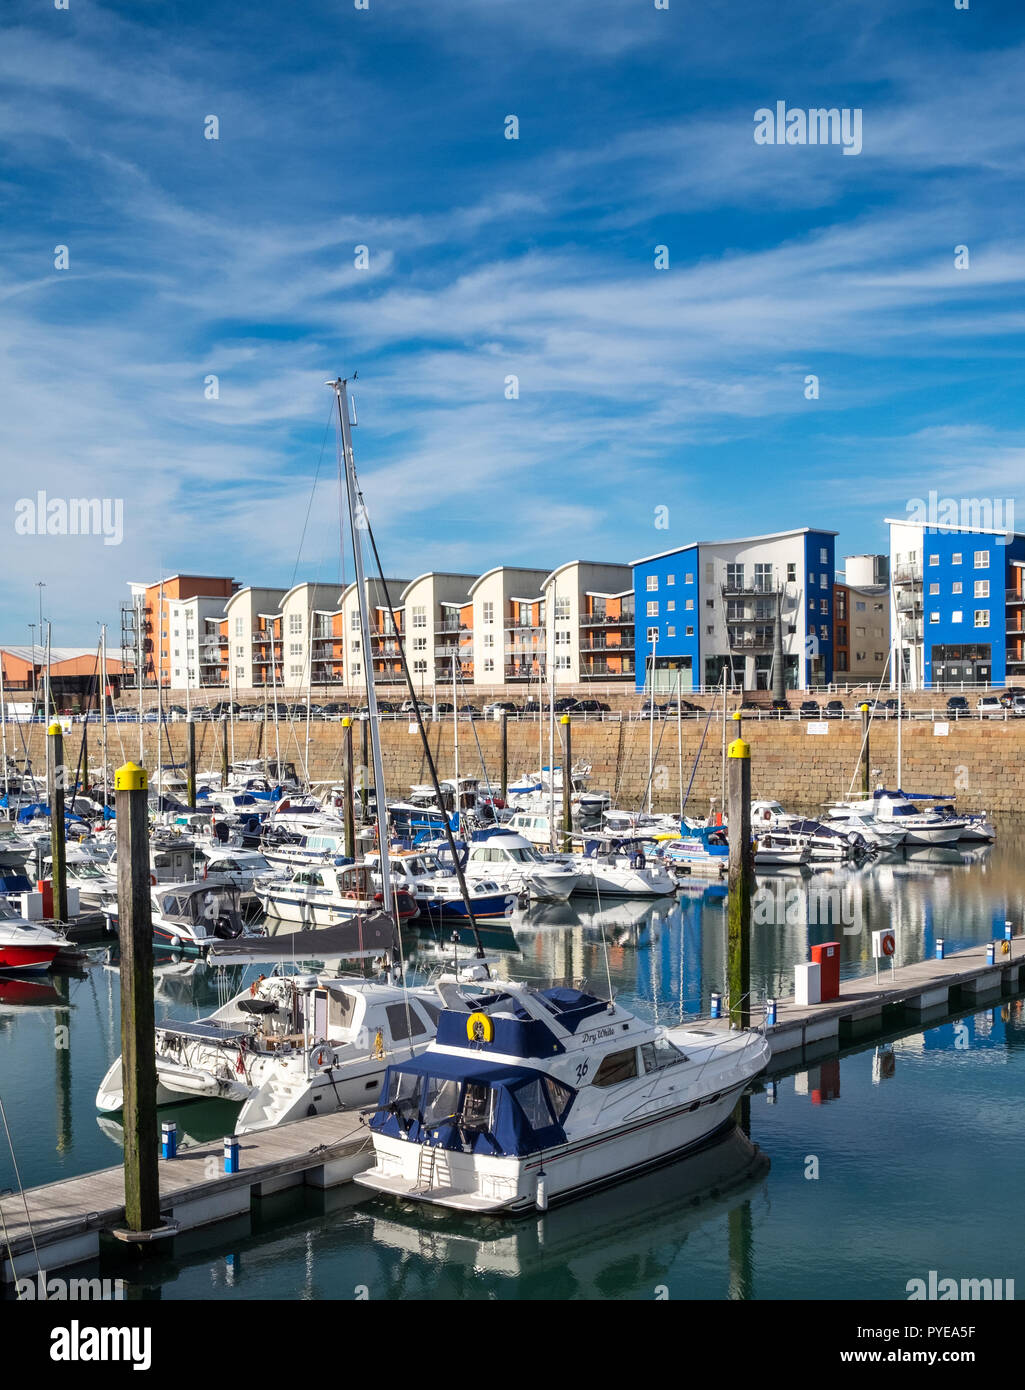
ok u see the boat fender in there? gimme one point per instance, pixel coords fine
(541, 1195)
(320, 1058)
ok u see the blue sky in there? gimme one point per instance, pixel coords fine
(491, 257)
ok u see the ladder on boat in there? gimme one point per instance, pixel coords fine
(425, 1168)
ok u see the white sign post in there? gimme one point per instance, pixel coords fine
(884, 945)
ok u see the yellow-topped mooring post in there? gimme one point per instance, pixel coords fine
(138, 1058)
(55, 775)
(740, 882)
(864, 752)
(567, 784)
(350, 797)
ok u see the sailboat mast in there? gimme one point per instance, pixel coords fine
(550, 664)
(103, 706)
(651, 718)
(3, 724)
(900, 712)
(356, 524)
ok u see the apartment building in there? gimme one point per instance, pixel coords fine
(861, 620)
(711, 608)
(165, 628)
(438, 627)
(253, 639)
(590, 631)
(957, 604)
(508, 626)
(384, 655)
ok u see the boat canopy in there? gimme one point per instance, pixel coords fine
(462, 1102)
(914, 796)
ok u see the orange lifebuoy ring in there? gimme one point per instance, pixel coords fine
(889, 945)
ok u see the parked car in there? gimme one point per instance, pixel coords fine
(177, 712)
(650, 707)
(590, 707)
(833, 710)
(957, 706)
(335, 710)
(781, 708)
(496, 706)
(989, 707)
(1012, 693)
(1018, 705)
(810, 709)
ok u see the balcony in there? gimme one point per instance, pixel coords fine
(450, 625)
(741, 589)
(1015, 597)
(907, 574)
(606, 647)
(602, 668)
(600, 620)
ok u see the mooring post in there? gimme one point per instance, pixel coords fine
(138, 1058)
(364, 790)
(350, 800)
(864, 752)
(55, 796)
(740, 883)
(191, 782)
(225, 769)
(504, 744)
(567, 784)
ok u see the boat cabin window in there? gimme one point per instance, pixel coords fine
(404, 1022)
(432, 1011)
(559, 1096)
(404, 1090)
(660, 1054)
(441, 1099)
(310, 878)
(341, 1008)
(479, 1103)
(531, 1099)
(616, 1067)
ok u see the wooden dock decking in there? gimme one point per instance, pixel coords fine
(68, 1217)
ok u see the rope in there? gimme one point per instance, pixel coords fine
(21, 1187)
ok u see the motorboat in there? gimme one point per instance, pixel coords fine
(318, 896)
(288, 1046)
(90, 873)
(26, 946)
(513, 863)
(436, 888)
(191, 916)
(529, 1096)
(780, 847)
(700, 850)
(620, 866)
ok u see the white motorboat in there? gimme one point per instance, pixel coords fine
(288, 1046)
(436, 888)
(614, 866)
(780, 847)
(191, 916)
(531, 1096)
(321, 895)
(514, 863)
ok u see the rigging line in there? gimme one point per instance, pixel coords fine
(423, 736)
(871, 716)
(697, 755)
(480, 751)
(21, 1185)
(313, 492)
(651, 769)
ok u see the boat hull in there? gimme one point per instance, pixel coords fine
(24, 959)
(502, 1185)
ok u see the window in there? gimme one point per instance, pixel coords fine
(653, 608)
(562, 663)
(824, 633)
(956, 616)
(934, 617)
(295, 649)
(420, 644)
(934, 559)
(488, 612)
(878, 656)
(240, 672)
(709, 572)
(688, 578)
(240, 651)
(792, 573)
(238, 627)
(982, 617)
(652, 634)
(710, 630)
(823, 581)
(616, 1067)
(404, 1022)
(734, 576)
(670, 631)
(689, 605)
(562, 639)
(824, 605)
(357, 668)
(956, 587)
(933, 589)
(489, 639)
(982, 588)
(354, 620)
(709, 603)
(763, 577)
(354, 646)
(562, 607)
(660, 1054)
(689, 632)
(859, 606)
(420, 667)
(559, 1097)
(955, 559)
(441, 1100)
(670, 579)
(671, 606)
(295, 671)
(823, 556)
(652, 583)
(811, 581)
(982, 559)
(418, 616)
(295, 624)
(531, 1099)
(489, 663)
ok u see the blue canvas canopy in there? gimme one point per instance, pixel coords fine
(462, 1102)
